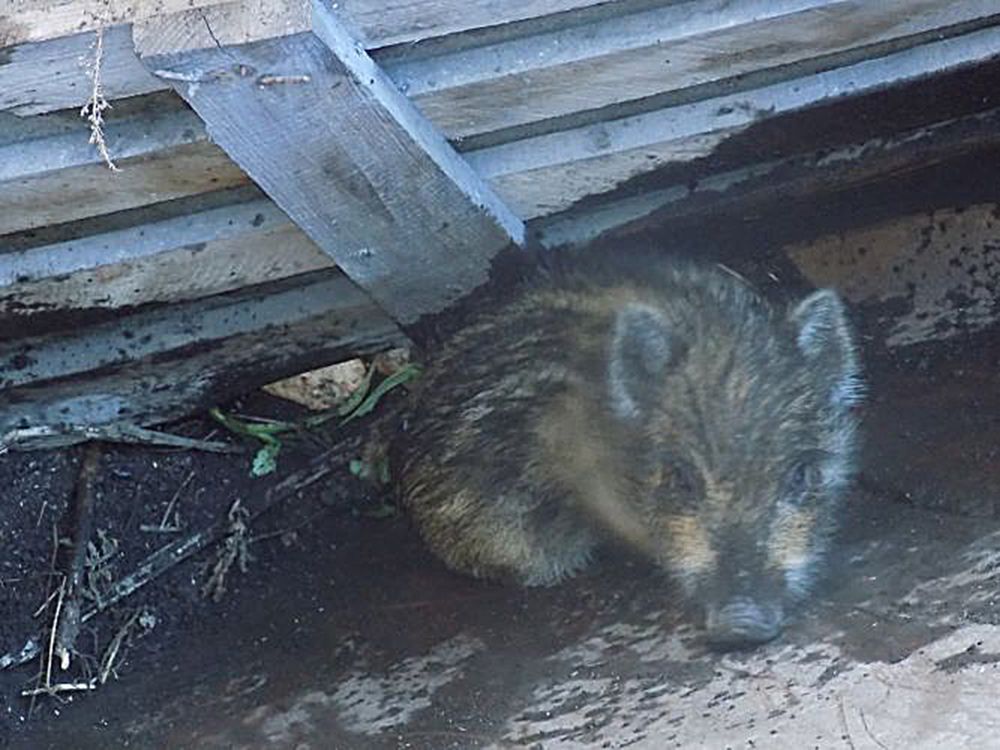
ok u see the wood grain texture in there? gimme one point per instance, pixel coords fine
(543, 70)
(35, 20)
(196, 354)
(770, 182)
(620, 59)
(378, 22)
(40, 77)
(187, 256)
(351, 161)
(92, 189)
(546, 174)
(149, 333)
(35, 146)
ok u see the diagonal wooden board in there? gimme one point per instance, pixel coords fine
(323, 131)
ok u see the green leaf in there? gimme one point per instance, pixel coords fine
(266, 459)
(399, 377)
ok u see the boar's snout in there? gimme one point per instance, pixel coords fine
(742, 622)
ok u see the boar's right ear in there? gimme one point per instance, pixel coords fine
(641, 350)
(823, 335)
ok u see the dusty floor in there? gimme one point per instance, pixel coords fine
(350, 636)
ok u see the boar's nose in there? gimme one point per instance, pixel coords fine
(742, 623)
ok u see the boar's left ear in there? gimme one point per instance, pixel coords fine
(823, 335)
(642, 348)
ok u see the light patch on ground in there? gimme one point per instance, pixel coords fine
(976, 585)
(370, 703)
(778, 696)
(363, 702)
(647, 642)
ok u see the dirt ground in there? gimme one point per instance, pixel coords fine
(344, 633)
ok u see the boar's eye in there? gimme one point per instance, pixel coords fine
(804, 476)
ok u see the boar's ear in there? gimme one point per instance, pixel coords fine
(823, 335)
(641, 350)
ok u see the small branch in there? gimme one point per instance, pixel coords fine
(29, 651)
(68, 627)
(110, 656)
(52, 635)
(39, 438)
(60, 687)
(93, 110)
(172, 554)
(235, 550)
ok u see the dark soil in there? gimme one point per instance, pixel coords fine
(135, 487)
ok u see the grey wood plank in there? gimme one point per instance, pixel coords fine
(40, 77)
(325, 133)
(216, 246)
(376, 21)
(149, 333)
(68, 194)
(337, 323)
(548, 173)
(156, 124)
(770, 182)
(141, 240)
(519, 82)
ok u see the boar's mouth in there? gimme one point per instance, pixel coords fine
(742, 623)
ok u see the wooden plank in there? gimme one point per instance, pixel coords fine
(49, 143)
(42, 76)
(325, 319)
(776, 182)
(185, 273)
(481, 86)
(350, 160)
(384, 22)
(77, 192)
(34, 20)
(137, 234)
(39, 77)
(546, 174)
(61, 355)
(50, 172)
(666, 49)
(182, 257)
(378, 22)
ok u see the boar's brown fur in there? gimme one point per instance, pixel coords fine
(662, 403)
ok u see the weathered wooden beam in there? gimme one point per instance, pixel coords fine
(35, 20)
(586, 66)
(61, 355)
(548, 173)
(326, 135)
(181, 250)
(93, 189)
(771, 183)
(37, 146)
(39, 77)
(526, 72)
(165, 363)
(51, 173)
(378, 22)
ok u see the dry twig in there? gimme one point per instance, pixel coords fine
(66, 628)
(176, 552)
(235, 550)
(94, 109)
